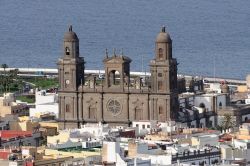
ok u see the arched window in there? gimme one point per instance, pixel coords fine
(92, 112)
(160, 85)
(246, 118)
(220, 104)
(160, 110)
(202, 105)
(114, 78)
(67, 51)
(160, 51)
(67, 108)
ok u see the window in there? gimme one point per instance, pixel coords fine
(67, 51)
(138, 115)
(159, 74)
(148, 126)
(137, 125)
(92, 113)
(160, 110)
(67, 108)
(143, 126)
(202, 105)
(160, 85)
(160, 53)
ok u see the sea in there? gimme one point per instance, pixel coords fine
(210, 37)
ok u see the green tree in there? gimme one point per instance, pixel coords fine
(227, 122)
(9, 79)
(12, 78)
(4, 66)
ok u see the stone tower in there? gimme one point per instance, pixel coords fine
(164, 78)
(71, 76)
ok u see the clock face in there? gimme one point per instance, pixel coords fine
(67, 81)
(114, 107)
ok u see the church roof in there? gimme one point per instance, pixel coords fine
(163, 36)
(117, 59)
(70, 35)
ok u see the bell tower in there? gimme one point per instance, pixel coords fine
(163, 67)
(163, 70)
(71, 75)
(70, 66)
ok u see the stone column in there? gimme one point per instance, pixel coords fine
(151, 108)
(80, 106)
(63, 108)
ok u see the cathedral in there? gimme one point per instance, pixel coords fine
(117, 99)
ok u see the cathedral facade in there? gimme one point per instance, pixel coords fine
(117, 99)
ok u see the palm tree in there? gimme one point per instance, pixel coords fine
(4, 66)
(12, 77)
(227, 122)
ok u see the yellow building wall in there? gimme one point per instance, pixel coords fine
(157, 137)
(5, 110)
(62, 137)
(74, 154)
(49, 124)
(242, 88)
(243, 137)
(195, 141)
(132, 149)
(23, 126)
(52, 161)
(23, 118)
(244, 132)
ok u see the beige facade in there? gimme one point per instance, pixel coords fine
(23, 125)
(8, 106)
(117, 99)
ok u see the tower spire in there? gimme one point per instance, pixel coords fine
(70, 28)
(163, 29)
(106, 53)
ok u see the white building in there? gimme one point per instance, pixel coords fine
(210, 101)
(113, 154)
(46, 103)
(145, 126)
(204, 140)
(98, 130)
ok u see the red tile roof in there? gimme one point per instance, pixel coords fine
(7, 134)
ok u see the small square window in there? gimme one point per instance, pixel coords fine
(159, 74)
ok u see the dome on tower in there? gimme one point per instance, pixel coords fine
(70, 35)
(163, 36)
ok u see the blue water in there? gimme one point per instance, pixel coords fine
(209, 37)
